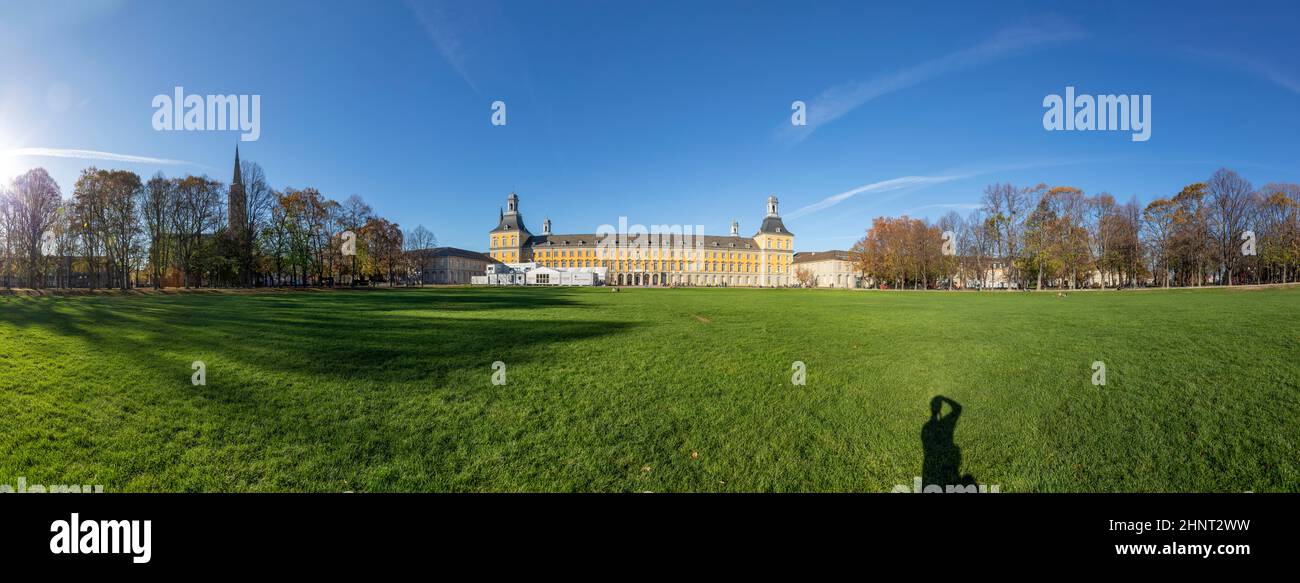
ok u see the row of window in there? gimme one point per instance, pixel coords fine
(458, 263)
(624, 254)
(511, 240)
(505, 240)
(665, 265)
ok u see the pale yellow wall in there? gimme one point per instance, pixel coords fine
(773, 257)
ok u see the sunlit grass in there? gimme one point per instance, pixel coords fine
(648, 389)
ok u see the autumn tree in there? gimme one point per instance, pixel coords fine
(1229, 200)
(196, 218)
(1158, 220)
(803, 276)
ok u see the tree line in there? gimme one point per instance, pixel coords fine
(118, 231)
(1222, 231)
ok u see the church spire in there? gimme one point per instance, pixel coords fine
(237, 216)
(238, 179)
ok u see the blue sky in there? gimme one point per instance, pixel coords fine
(664, 112)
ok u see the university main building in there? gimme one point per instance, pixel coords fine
(649, 258)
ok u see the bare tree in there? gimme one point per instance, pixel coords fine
(1098, 210)
(1007, 208)
(420, 238)
(419, 243)
(89, 197)
(1279, 222)
(259, 199)
(36, 200)
(354, 214)
(976, 245)
(8, 230)
(121, 223)
(198, 214)
(65, 243)
(1158, 225)
(1229, 198)
(158, 201)
(950, 265)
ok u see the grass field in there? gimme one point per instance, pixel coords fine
(652, 390)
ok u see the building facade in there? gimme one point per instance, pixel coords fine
(449, 265)
(531, 273)
(826, 269)
(649, 258)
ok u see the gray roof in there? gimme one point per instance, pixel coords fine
(772, 224)
(511, 222)
(811, 256)
(454, 252)
(585, 240)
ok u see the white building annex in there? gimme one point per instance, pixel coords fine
(531, 273)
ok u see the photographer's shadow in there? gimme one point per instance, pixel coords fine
(942, 463)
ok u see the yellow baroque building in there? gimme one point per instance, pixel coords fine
(646, 259)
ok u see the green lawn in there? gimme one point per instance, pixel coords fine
(658, 390)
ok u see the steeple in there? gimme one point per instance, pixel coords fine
(239, 178)
(511, 219)
(237, 213)
(546, 226)
(735, 228)
(772, 222)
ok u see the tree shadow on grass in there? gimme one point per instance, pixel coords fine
(942, 463)
(324, 339)
(60, 312)
(298, 393)
(455, 299)
(377, 340)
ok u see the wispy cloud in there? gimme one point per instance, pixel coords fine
(449, 27)
(955, 206)
(893, 184)
(1254, 66)
(902, 185)
(93, 155)
(836, 101)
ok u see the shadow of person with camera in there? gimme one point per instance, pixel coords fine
(942, 463)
